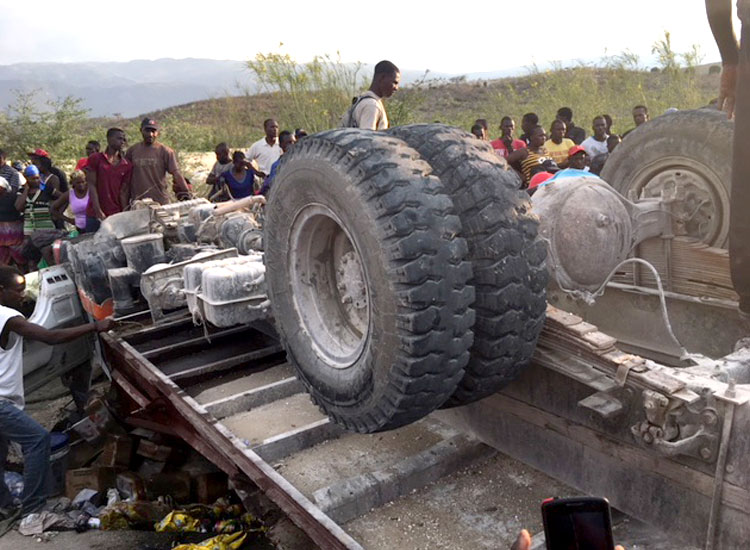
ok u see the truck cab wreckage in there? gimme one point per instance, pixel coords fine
(588, 331)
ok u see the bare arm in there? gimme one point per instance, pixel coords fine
(32, 331)
(53, 183)
(57, 208)
(21, 199)
(94, 194)
(720, 20)
(179, 186)
(518, 155)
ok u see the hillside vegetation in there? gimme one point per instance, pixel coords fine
(314, 97)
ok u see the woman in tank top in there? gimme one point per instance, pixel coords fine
(78, 199)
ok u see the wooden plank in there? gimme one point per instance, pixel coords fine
(319, 527)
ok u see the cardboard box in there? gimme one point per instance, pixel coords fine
(82, 453)
(99, 478)
(174, 484)
(149, 449)
(210, 486)
(118, 451)
(97, 423)
(131, 486)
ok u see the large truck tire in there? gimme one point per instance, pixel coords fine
(507, 257)
(367, 277)
(690, 151)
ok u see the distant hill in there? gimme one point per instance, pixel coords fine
(136, 87)
(128, 88)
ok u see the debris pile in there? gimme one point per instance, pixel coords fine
(110, 476)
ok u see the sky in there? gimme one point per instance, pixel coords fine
(457, 38)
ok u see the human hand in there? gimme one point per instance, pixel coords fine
(728, 89)
(523, 542)
(104, 325)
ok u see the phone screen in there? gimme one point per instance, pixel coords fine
(577, 524)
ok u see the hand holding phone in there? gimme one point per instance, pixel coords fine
(580, 523)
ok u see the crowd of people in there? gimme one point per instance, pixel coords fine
(39, 203)
(538, 155)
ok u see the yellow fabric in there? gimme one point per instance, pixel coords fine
(559, 153)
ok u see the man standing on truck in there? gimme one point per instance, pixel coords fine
(15, 424)
(735, 78)
(367, 111)
(151, 162)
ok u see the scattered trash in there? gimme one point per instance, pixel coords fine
(220, 542)
(127, 515)
(179, 522)
(85, 495)
(113, 497)
(14, 482)
(36, 524)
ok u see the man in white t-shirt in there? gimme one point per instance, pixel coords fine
(597, 144)
(15, 424)
(266, 150)
(367, 111)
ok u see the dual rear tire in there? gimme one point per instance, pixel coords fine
(404, 272)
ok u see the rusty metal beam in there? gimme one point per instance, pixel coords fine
(212, 434)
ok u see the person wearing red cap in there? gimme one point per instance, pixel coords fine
(538, 179)
(577, 158)
(42, 160)
(151, 162)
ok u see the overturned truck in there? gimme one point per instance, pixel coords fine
(405, 272)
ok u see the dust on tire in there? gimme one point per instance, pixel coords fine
(507, 258)
(402, 231)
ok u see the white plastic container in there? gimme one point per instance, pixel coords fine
(227, 292)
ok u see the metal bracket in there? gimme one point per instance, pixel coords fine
(674, 429)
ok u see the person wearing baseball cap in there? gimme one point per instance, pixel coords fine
(152, 161)
(577, 157)
(50, 175)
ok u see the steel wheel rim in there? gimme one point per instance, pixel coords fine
(702, 206)
(329, 286)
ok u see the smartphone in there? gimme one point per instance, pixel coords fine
(579, 523)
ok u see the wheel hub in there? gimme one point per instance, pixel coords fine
(701, 202)
(328, 285)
